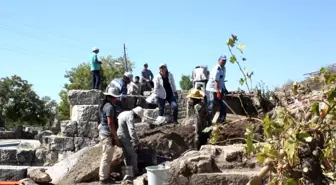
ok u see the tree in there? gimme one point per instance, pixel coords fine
(19, 104)
(186, 82)
(80, 78)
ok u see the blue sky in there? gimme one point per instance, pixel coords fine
(284, 39)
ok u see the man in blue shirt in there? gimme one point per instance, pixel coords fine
(95, 68)
(147, 76)
(215, 88)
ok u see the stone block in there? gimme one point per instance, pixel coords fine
(12, 173)
(84, 113)
(68, 128)
(58, 143)
(87, 129)
(25, 157)
(85, 97)
(81, 142)
(40, 135)
(8, 156)
(44, 156)
(7, 135)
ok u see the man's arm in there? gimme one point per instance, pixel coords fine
(131, 130)
(96, 60)
(156, 85)
(111, 123)
(151, 76)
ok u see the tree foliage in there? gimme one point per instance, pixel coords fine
(185, 82)
(80, 78)
(19, 104)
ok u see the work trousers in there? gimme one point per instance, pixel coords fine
(95, 79)
(107, 155)
(172, 101)
(131, 157)
(211, 99)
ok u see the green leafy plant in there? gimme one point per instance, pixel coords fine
(301, 150)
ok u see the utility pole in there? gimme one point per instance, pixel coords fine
(125, 58)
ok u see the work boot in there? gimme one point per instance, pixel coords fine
(108, 181)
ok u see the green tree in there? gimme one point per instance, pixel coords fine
(80, 78)
(19, 104)
(185, 82)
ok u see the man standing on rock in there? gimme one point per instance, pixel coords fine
(108, 112)
(165, 90)
(216, 88)
(95, 68)
(147, 75)
(128, 137)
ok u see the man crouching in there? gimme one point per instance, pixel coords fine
(128, 137)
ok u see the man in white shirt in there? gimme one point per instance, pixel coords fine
(200, 74)
(216, 88)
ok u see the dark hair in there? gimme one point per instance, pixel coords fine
(137, 77)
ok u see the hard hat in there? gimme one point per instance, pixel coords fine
(95, 49)
(129, 75)
(138, 111)
(113, 91)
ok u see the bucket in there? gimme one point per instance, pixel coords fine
(157, 175)
(127, 170)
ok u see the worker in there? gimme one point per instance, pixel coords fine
(95, 66)
(215, 88)
(165, 90)
(134, 88)
(128, 137)
(147, 76)
(200, 74)
(122, 83)
(108, 112)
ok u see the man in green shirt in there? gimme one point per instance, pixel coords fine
(95, 68)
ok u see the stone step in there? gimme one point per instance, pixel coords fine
(12, 173)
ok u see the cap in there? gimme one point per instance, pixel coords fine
(138, 111)
(222, 57)
(95, 49)
(129, 75)
(162, 65)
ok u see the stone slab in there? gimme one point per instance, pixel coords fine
(58, 143)
(12, 173)
(85, 97)
(84, 113)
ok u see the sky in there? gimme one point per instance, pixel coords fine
(40, 40)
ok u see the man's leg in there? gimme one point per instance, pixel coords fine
(210, 100)
(105, 162)
(97, 79)
(130, 155)
(93, 79)
(174, 107)
(222, 107)
(161, 104)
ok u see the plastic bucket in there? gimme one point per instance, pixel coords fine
(157, 175)
(127, 170)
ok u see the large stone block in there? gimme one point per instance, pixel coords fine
(44, 156)
(58, 143)
(87, 129)
(84, 113)
(12, 173)
(85, 97)
(82, 142)
(7, 135)
(25, 157)
(68, 128)
(8, 156)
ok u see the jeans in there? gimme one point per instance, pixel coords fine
(211, 99)
(95, 79)
(105, 163)
(173, 105)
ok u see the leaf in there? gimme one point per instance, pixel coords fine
(243, 59)
(331, 175)
(241, 47)
(290, 181)
(315, 108)
(309, 139)
(302, 136)
(267, 126)
(233, 59)
(261, 157)
(250, 75)
(290, 148)
(331, 95)
(241, 81)
(323, 70)
(230, 42)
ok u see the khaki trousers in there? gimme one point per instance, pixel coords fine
(107, 155)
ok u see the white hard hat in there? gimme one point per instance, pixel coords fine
(129, 75)
(113, 91)
(95, 49)
(162, 64)
(138, 111)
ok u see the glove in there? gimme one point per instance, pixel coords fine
(219, 95)
(176, 96)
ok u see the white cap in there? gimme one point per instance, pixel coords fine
(129, 75)
(113, 91)
(162, 64)
(95, 49)
(138, 111)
